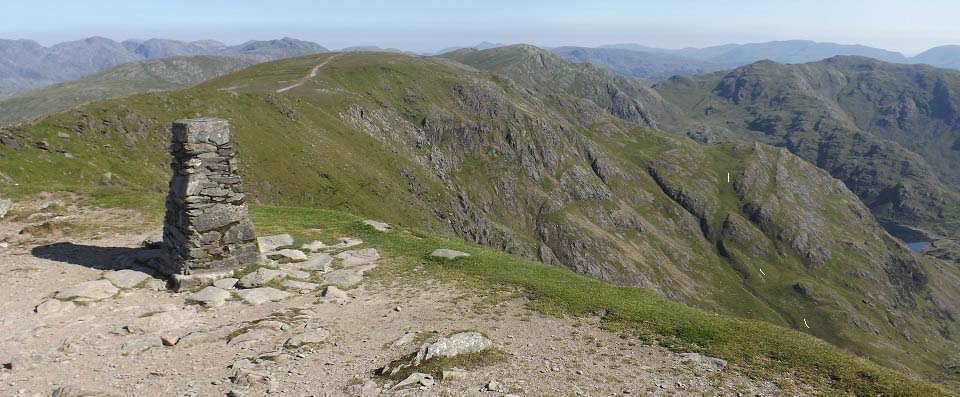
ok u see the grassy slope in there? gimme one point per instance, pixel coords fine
(281, 137)
(837, 311)
(757, 347)
(132, 78)
(139, 161)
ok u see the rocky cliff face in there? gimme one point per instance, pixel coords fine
(888, 131)
(556, 174)
(546, 73)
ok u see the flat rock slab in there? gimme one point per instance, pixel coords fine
(271, 243)
(358, 257)
(712, 363)
(347, 242)
(160, 318)
(415, 379)
(308, 337)
(207, 335)
(258, 296)
(126, 278)
(380, 226)
(296, 274)
(315, 246)
(302, 286)
(138, 344)
(347, 277)
(226, 283)
(315, 263)
(253, 335)
(53, 307)
(209, 296)
(291, 254)
(72, 391)
(89, 291)
(404, 339)
(335, 294)
(259, 278)
(448, 254)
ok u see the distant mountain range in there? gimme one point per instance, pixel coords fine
(790, 51)
(947, 56)
(126, 79)
(655, 64)
(25, 64)
(483, 45)
(649, 66)
(371, 48)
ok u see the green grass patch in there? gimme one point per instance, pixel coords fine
(758, 348)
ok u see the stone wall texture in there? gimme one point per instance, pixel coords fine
(207, 228)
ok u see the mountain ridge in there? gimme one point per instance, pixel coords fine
(571, 173)
(886, 129)
(25, 64)
(787, 52)
(125, 79)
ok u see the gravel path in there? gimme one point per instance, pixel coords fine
(313, 73)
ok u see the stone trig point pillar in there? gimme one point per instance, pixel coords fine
(207, 233)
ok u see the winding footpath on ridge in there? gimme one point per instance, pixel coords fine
(313, 73)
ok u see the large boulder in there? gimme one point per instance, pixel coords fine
(358, 257)
(454, 345)
(451, 346)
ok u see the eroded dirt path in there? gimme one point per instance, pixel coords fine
(313, 73)
(111, 346)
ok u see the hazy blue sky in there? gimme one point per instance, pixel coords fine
(909, 26)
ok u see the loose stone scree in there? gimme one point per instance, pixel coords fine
(207, 233)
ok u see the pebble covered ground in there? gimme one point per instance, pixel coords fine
(117, 331)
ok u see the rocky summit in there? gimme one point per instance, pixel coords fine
(498, 221)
